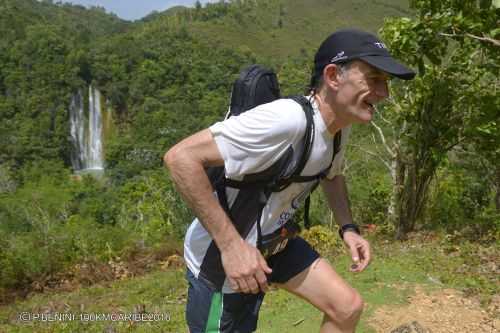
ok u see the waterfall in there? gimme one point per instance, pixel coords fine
(77, 121)
(94, 160)
(86, 132)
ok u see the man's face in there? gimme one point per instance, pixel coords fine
(359, 89)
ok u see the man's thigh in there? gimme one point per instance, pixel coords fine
(321, 286)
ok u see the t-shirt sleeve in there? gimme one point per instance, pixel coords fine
(254, 140)
(338, 161)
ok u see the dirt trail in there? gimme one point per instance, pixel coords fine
(442, 311)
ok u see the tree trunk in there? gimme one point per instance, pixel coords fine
(497, 186)
(391, 209)
(413, 180)
(407, 203)
(396, 204)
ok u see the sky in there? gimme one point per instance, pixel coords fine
(135, 9)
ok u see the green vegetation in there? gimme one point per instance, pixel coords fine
(282, 29)
(453, 105)
(392, 277)
(170, 75)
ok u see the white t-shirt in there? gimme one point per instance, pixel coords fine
(252, 142)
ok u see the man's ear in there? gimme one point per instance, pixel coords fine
(331, 76)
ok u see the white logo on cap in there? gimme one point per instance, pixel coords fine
(339, 56)
(380, 45)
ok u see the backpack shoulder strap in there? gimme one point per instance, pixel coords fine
(309, 133)
(337, 140)
(277, 178)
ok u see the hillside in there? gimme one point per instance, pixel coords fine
(282, 28)
(155, 15)
(16, 15)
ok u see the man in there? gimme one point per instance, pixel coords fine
(351, 69)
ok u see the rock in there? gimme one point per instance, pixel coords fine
(413, 327)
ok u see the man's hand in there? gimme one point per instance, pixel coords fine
(245, 267)
(360, 250)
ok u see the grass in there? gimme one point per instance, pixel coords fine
(387, 281)
(161, 292)
(395, 271)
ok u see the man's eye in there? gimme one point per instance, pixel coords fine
(379, 80)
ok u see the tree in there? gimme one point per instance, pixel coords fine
(453, 100)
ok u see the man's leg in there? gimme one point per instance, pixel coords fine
(321, 286)
(210, 311)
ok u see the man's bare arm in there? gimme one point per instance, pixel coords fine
(187, 162)
(244, 265)
(338, 200)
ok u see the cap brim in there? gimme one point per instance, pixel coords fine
(391, 66)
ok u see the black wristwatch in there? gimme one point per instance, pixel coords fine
(348, 226)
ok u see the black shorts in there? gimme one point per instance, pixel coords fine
(210, 311)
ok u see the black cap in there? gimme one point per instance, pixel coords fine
(350, 44)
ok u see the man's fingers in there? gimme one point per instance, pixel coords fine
(246, 270)
(234, 284)
(354, 253)
(264, 266)
(364, 257)
(365, 250)
(360, 251)
(262, 281)
(243, 286)
(253, 285)
(367, 253)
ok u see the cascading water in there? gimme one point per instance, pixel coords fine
(77, 122)
(94, 160)
(86, 132)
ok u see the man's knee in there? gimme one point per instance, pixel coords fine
(347, 311)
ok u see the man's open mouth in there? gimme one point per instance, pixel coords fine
(372, 107)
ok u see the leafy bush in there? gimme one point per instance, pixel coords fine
(143, 207)
(30, 256)
(462, 200)
(323, 239)
(36, 206)
(52, 222)
(373, 210)
(7, 182)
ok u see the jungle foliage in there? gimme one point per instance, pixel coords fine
(450, 112)
(170, 75)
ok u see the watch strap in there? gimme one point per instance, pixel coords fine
(350, 227)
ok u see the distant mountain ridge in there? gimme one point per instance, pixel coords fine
(279, 28)
(72, 17)
(158, 14)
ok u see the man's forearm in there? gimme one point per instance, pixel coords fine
(338, 199)
(193, 184)
(243, 264)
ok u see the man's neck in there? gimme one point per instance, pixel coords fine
(326, 106)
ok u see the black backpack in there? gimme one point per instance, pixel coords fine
(257, 85)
